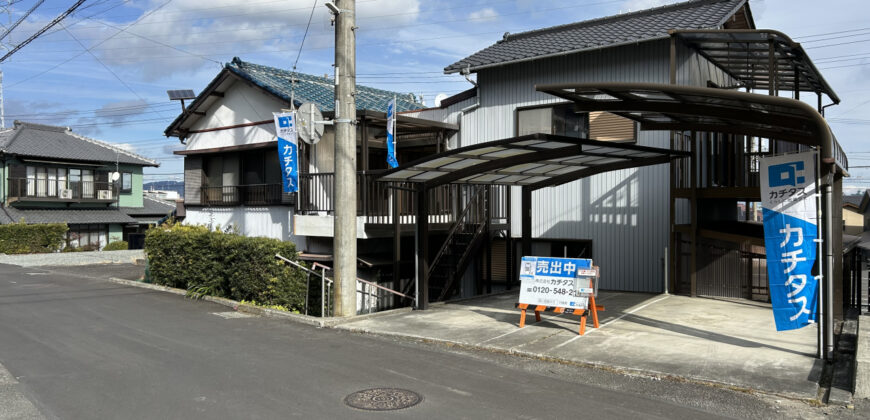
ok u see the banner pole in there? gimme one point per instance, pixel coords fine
(820, 354)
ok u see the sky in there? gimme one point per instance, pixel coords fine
(105, 69)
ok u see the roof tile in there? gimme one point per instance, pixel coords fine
(637, 26)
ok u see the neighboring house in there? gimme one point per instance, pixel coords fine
(52, 175)
(231, 169)
(645, 224)
(855, 213)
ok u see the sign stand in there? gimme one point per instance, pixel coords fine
(593, 309)
(561, 286)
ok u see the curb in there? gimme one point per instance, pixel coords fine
(334, 323)
(264, 312)
(641, 373)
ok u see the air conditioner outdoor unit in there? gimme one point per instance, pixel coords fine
(104, 194)
(65, 194)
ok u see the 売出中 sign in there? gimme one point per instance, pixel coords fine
(557, 282)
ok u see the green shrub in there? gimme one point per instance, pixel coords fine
(21, 238)
(224, 264)
(116, 246)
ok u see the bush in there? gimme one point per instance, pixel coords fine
(224, 264)
(21, 238)
(116, 246)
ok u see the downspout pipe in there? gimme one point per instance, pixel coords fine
(465, 72)
(827, 167)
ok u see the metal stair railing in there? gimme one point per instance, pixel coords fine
(463, 261)
(472, 215)
(326, 284)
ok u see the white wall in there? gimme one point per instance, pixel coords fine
(269, 221)
(241, 104)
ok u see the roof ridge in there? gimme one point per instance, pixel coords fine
(240, 64)
(605, 19)
(112, 147)
(38, 126)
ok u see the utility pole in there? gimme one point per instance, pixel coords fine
(344, 242)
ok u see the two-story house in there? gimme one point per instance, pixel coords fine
(52, 175)
(656, 228)
(232, 172)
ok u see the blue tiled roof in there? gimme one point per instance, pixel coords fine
(319, 90)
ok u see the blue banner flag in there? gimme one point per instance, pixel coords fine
(391, 134)
(790, 231)
(285, 127)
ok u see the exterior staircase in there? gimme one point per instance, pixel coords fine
(462, 244)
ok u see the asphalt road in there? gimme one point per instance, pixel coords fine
(82, 348)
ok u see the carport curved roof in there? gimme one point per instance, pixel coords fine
(683, 108)
(534, 160)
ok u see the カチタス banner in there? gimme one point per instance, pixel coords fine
(788, 198)
(288, 145)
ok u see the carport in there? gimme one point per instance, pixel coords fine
(540, 160)
(531, 162)
(695, 109)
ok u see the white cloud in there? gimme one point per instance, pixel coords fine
(225, 28)
(635, 5)
(484, 15)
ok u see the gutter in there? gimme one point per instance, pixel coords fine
(558, 54)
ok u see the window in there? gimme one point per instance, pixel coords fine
(31, 181)
(89, 237)
(87, 183)
(559, 119)
(126, 182)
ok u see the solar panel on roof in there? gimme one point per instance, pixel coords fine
(180, 94)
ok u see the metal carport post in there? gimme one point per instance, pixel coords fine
(685, 108)
(532, 162)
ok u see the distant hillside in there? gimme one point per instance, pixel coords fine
(165, 186)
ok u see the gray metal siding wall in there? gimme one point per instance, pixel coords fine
(625, 213)
(695, 70)
(451, 114)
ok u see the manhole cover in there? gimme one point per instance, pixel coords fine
(383, 399)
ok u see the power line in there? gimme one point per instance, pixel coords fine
(92, 47)
(42, 31)
(305, 35)
(20, 19)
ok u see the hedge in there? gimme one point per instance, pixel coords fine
(21, 238)
(116, 246)
(224, 264)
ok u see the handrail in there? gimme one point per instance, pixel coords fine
(331, 281)
(459, 221)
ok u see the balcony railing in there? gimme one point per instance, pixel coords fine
(32, 189)
(376, 200)
(249, 195)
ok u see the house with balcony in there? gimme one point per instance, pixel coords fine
(232, 172)
(52, 175)
(686, 227)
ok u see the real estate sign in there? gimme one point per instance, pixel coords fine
(790, 230)
(288, 147)
(391, 134)
(557, 282)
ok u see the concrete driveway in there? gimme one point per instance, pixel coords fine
(718, 341)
